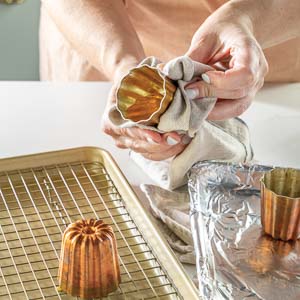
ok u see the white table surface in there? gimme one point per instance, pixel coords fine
(37, 117)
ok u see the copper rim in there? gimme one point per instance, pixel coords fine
(280, 203)
(144, 94)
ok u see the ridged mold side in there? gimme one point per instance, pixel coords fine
(89, 266)
(280, 207)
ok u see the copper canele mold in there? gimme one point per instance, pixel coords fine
(89, 266)
(144, 94)
(280, 203)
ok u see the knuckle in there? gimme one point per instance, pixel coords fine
(107, 129)
(204, 90)
(265, 67)
(123, 131)
(208, 91)
(136, 146)
(249, 77)
(120, 145)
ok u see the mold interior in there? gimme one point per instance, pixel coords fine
(285, 182)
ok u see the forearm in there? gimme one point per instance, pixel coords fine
(273, 21)
(100, 30)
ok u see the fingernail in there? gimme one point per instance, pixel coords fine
(171, 141)
(205, 78)
(186, 140)
(192, 93)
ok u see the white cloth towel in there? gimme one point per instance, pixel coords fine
(173, 208)
(222, 140)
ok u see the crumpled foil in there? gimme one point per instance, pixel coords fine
(235, 259)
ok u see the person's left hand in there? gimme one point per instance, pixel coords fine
(226, 39)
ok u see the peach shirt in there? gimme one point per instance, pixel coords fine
(165, 29)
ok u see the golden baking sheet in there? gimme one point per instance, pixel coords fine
(41, 194)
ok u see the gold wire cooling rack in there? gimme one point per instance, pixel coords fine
(41, 194)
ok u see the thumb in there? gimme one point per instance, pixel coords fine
(198, 53)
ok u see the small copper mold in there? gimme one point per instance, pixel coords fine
(280, 203)
(89, 266)
(144, 94)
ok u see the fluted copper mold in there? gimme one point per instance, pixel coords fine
(89, 266)
(280, 203)
(144, 94)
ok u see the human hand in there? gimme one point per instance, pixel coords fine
(226, 40)
(152, 145)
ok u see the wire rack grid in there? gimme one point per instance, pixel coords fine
(37, 204)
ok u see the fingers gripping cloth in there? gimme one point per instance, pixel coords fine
(222, 140)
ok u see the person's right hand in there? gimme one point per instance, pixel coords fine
(152, 145)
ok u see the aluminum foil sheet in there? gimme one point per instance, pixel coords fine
(235, 260)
